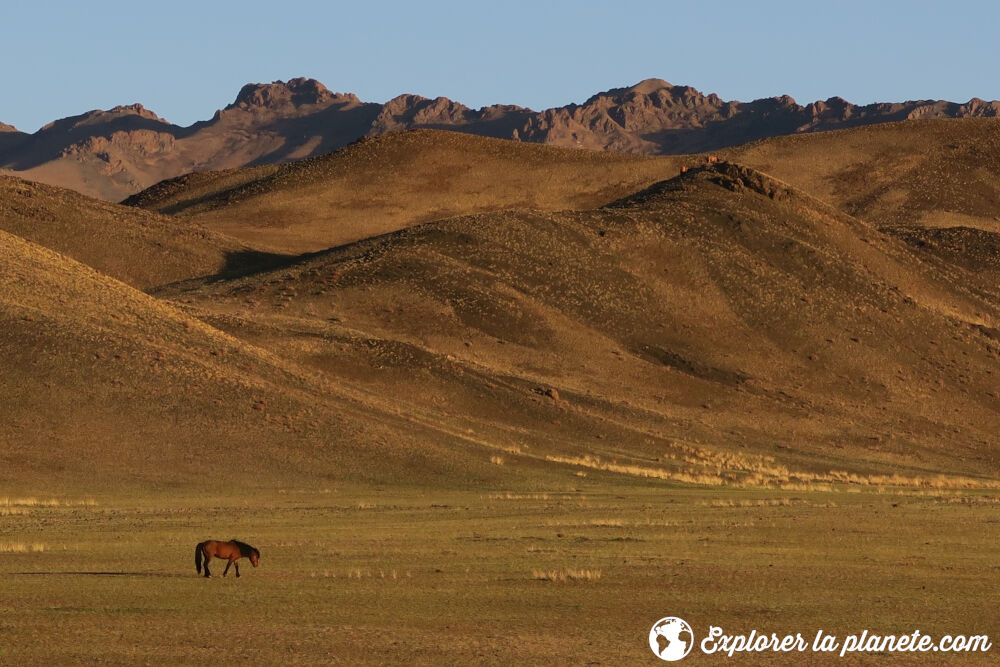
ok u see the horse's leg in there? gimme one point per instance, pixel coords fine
(208, 557)
(237, 564)
(228, 565)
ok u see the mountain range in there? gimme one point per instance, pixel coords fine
(115, 153)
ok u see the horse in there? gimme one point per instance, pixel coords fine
(232, 551)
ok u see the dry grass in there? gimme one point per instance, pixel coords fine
(566, 574)
(722, 468)
(11, 511)
(969, 500)
(595, 462)
(359, 573)
(607, 523)
(13, 503)
(762, 502)
(21, 547)
(518, 496)
(375, 573)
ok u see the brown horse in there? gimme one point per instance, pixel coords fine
(232, 551)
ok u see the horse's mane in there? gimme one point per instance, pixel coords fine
(245, 549)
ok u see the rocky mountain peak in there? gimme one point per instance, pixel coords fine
(280, 95)
(647, 86)
(133, 110)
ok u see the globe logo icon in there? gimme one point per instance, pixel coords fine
(671, 638)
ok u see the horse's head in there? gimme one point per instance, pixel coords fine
(254, 557)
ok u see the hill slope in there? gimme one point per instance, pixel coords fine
(930, 183)
(382, 184)
(140, 248)
(718, 327)
(107, 388)
(928, 173)
(103, 382)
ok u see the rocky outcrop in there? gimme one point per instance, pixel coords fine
(118, 149)
(297, 98)
(280, 95)
(408, 111)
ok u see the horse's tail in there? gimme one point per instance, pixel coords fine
(197, 556)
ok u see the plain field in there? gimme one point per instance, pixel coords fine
(557, 576)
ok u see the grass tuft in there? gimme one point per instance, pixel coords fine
(50, 502)
(21, 547)
(566, 574)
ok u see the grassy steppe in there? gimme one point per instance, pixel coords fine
(570, 575)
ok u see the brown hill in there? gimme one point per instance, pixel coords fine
(932, 183)
(103, 382)
(929, 173)
(115, 153)
(719, 326)
(107, 388)
(135, 246)
(382, 184)
(904, 177)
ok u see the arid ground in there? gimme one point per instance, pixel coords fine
(574, 574)
(482, 401)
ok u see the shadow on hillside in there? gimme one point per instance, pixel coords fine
(239, 264)
(10, 141)
(50, 142)
(334, 127)
(242, 263)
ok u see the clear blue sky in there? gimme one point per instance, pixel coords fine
(186, 59)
